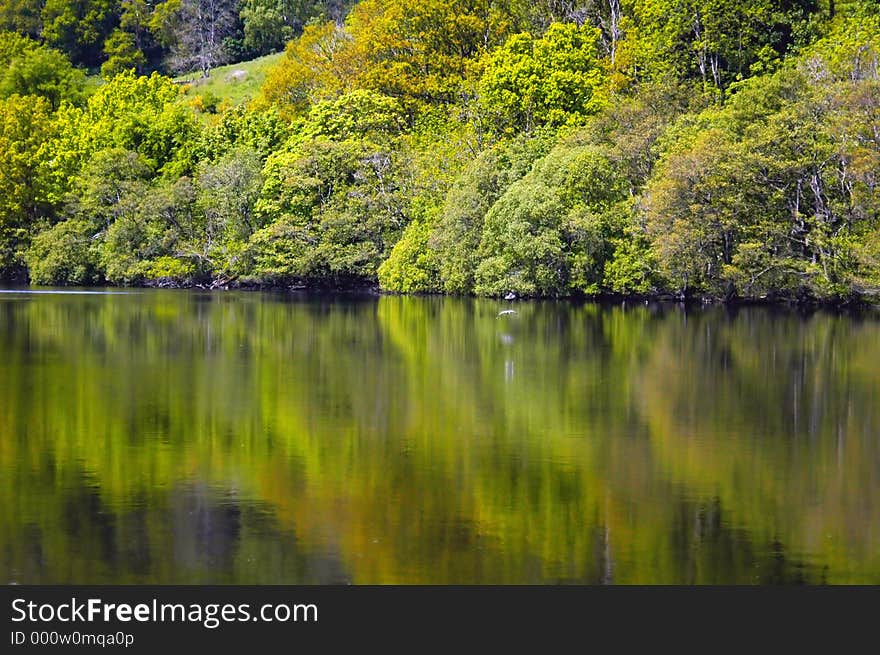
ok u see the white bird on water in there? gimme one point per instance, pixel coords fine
(506, 312)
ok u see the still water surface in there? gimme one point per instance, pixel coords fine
(186, 437)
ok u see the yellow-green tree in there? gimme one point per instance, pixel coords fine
(25, 125)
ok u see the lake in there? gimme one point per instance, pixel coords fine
(232, 437)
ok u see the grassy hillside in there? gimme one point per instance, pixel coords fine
(230, 85)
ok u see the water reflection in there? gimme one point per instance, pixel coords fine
(256, 438)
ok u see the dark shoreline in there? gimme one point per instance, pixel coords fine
(804, 304)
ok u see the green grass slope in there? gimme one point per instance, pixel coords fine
(230, 85)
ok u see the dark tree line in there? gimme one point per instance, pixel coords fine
(170, 35)
(652, 147)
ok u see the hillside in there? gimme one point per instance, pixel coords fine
(652, 148)
(230, 85)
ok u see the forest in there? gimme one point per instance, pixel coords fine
(714, 149)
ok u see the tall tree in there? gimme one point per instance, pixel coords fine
(22, 16)
(24, 126)
(79, 27)
(201, 33)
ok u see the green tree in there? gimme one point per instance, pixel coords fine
(142, 246)
(65, 254)
(122, 54)
(775, 193)
(109, 186)
(32, 69)
(715, 42)
(267, 25)
(228, 191)
(553, 80)
(25, 125)
(550, 233)
(412, 266)
(262, 131)
(697, 204)
(320, 64)
(459, 226)
(79, 28)
(356, 116)
(140, 114)
(423, 50)
(333, 211)
(21, 16)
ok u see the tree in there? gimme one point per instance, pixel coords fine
(412, 266)
(228, 191)
(108, 187)
(32, 69)
(13, 45)
(122, 54)
(21, 16)
(776, 193)
(25, 125)
(551, 232)
(716, 42)
(64, 254)
(696, 209)
(554, 80)
(130, 112)
(320, 64)
(333, 210)
(459, 226)
(260, 131)
(267, 25)
(359, 115)
(79, 28)
(423, 50)
(203, 27)
(134, 19)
